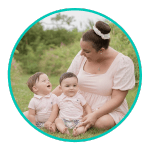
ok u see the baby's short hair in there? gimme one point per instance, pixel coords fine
(32, 80)
(66, 75)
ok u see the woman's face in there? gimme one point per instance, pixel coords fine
(88, 51)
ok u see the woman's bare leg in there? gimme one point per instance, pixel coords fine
(105, 122)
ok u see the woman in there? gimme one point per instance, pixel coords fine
(104, 76)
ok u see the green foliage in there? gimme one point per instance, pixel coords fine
(52, 51)
(16, 71)
(33, 44)
(16, 51)
(89, 24)
(56, 62)
(64, 19)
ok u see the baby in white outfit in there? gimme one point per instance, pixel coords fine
(43, 108)
(71, 105)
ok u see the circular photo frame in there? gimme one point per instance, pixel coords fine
(75, 10)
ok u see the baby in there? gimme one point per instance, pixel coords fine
(43, 108)
(71, 105)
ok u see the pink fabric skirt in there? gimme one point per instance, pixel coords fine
(97, 101)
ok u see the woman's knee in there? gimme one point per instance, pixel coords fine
(105, 122)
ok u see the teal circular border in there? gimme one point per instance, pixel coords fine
(100, 14)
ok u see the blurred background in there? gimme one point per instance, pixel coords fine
(50, 46)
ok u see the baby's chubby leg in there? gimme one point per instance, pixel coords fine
(26, 113)
(61, 126)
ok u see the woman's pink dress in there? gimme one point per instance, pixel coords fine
(97, 88)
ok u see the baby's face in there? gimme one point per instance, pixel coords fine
(43, 86)
(69, 86)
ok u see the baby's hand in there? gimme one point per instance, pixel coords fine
(52, 127)
(47, 124)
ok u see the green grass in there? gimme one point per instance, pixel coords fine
(23, 95)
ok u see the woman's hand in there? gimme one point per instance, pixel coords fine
(88, 121)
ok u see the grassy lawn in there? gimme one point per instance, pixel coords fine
(23, 95)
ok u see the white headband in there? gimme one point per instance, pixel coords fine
(103, 36)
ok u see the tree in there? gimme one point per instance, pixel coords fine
(64, 19)
(59, 20)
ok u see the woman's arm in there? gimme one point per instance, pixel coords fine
(57, 91)
(118, 97)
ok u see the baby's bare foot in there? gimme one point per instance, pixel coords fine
(65, 131)
(78, 131)
(75, 132)
(51, 129)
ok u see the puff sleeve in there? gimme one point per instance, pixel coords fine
(124, 78)
(32, 104)
(76, 63)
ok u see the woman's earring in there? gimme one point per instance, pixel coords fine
(101, 52)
